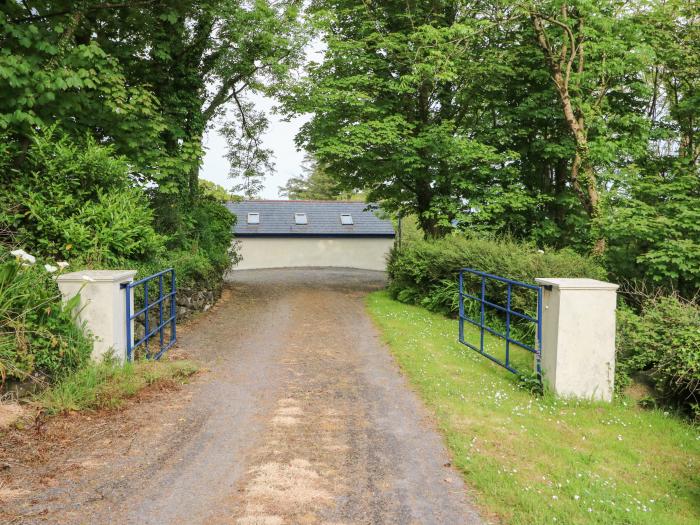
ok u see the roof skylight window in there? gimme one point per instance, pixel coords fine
(346, 219)
(253, 218)
(300, 218)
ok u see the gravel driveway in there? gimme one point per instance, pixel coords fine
(303, 417)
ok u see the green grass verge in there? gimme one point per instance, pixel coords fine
(538, 459)
(108, 385)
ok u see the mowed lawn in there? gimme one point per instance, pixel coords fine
(534, 459)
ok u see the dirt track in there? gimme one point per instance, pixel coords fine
(302, 418)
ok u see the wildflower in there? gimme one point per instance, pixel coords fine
(540, 251)
(62, 265)
(21, 254)
(49, 268)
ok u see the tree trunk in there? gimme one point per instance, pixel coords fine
(582, 175)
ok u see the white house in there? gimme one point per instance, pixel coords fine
(284, 234)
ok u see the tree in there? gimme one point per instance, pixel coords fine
(203, 57)
(653, 225)
(249, 161)
(388, 113)
(315, 183)
(51, 72)
(654, 206)
(148, 77)
(215, 191)
(587, 67)
(510, 117)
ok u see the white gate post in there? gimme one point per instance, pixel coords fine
(578, 337)
(102, 307)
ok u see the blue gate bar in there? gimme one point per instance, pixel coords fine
(173, 306)
(160, 306)
(509, 313)
(145, 315)
(502, 279)
(149, 306)
(510, 290)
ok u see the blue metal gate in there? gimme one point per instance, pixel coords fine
(158, 310)
(502, 314)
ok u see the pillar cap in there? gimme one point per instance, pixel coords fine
(576, 284)
(108, 276)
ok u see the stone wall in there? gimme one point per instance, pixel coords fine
(192, 300)
(188, 301)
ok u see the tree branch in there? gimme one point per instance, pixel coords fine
(244, 122)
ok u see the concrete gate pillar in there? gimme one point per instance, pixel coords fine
(102, 307)
(578, 337)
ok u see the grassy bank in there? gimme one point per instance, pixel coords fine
(108, 385)
(537, 459)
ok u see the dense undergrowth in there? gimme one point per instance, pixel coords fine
(38, 336)
(660, 346)
(77, 205)
(425, 272)
(107, 385)
(658, 341)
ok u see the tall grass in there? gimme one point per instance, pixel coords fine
(107, 385)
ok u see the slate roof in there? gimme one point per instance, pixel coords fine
(277, 219)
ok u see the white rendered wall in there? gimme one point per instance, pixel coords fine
(367, 253)
(578, 337)
(102, 307)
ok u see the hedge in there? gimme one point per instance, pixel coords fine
(659, 343)
(426, 272)
(661, 346)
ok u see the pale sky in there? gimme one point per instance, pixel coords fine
(279, 138)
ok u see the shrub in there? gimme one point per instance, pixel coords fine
(114, 228)
(212, 227)
(78, 201)
(663, 344)
(193, 268)
(426, 272)
(652, 225)
(205, 255)
(37, 333)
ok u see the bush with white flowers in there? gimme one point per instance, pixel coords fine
(38, 338)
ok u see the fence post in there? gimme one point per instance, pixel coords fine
(578, 337)
(102, 307)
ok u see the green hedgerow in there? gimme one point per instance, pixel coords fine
(426, 272)
(663, 344)
(77, 201)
